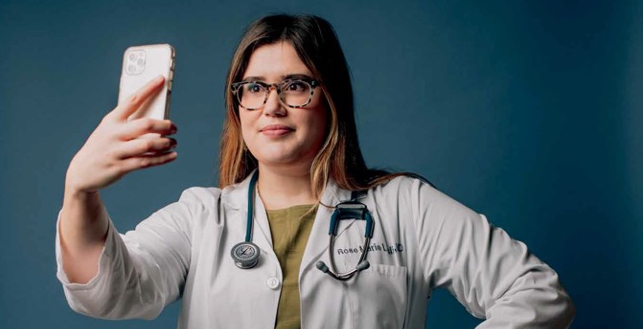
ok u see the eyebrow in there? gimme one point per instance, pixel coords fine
(283, 77)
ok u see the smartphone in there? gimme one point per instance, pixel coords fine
(141, 64)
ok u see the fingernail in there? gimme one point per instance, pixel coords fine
(159, 78)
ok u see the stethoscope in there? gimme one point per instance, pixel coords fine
(246, 254)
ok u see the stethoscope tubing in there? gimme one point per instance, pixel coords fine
(343, 210)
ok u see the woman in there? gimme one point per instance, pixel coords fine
(289, 157)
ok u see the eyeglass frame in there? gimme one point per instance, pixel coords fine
(277, 86)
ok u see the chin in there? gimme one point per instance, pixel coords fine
(282, 160)
(276, 161)
(276, 153)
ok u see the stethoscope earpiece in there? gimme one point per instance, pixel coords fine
(322, 266)
(344, 276)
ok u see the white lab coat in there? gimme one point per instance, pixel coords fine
(423, 239)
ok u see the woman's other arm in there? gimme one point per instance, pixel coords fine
(494, 276)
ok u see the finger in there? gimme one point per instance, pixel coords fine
(139, 147)
(139, 162)
(138, 127)
(133, 102)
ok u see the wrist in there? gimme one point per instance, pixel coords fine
(73, 192)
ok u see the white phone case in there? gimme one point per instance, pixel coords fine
(141, 64)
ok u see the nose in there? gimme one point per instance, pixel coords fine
(273, 105)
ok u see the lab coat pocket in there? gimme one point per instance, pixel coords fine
(378, 296)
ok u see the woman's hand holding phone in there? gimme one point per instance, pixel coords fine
(114, 149)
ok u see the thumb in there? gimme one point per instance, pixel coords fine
(133, 102)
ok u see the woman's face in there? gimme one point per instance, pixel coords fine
(303, 128)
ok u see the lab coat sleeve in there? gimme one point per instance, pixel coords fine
(492, 275)
(139, 272)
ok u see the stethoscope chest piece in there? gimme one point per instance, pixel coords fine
(245, 254)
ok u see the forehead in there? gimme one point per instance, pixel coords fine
(274, 62)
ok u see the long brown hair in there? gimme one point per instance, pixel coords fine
(317, 45)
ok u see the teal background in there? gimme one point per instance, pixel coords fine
(526, 111)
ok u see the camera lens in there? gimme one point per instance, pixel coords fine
(132, 56)
(140, 61)
(131, 68)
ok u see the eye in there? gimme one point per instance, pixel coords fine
(252, 88)
(297, 86)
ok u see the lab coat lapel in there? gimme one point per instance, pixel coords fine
(237, 198)
(318, 239)
(262, 225)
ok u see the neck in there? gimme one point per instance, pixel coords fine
(284, 188)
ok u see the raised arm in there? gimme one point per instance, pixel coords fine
(109, 153)
(101, 276)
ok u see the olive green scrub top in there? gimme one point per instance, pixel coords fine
(290, 231)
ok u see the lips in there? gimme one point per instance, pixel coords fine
(276, 127)
(276, 130)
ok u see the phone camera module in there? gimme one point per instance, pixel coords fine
(135, 62)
